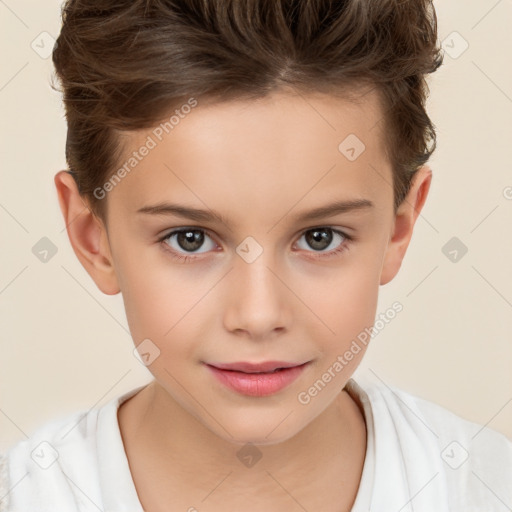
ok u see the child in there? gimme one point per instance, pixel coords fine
(248, 174)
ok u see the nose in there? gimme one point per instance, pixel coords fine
(256, 301)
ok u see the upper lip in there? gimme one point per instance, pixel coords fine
(246, 367)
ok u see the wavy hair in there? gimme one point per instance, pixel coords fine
(124, 64)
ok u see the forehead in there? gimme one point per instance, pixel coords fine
(259, 152)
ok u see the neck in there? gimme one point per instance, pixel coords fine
(181, 453)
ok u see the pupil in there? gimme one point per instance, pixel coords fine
(320, 238)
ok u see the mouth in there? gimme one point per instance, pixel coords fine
(263, 367)
(258, 380)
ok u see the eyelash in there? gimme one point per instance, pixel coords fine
(321, 255)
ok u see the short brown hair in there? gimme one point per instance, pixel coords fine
(123, 64)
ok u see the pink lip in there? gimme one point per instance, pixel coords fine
(257, 384)
(266, 366)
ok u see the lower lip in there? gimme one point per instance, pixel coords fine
(257, 384)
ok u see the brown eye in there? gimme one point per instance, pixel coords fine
(319, 239)
(188, 240)
(325, 242)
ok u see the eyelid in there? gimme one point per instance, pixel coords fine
(342, 231)
(181, 229)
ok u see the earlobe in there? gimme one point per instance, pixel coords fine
(87, 234)
(405, 219)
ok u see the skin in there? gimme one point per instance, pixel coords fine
(259, 164)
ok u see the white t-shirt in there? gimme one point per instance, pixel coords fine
(419, 458)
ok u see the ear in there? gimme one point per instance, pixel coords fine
(87, 234)
(405, 218)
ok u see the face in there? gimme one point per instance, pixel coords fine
(252, 278)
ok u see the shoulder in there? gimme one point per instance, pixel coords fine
(69, 463)
(52, 468)
(478, 440)
(471, 463)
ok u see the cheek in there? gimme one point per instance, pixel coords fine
(348, 308)
(158, 308)
(169, 306)
(156, 296)
(344, 298)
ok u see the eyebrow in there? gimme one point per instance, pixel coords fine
(328, 210)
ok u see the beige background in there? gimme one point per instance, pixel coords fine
(66, 347)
